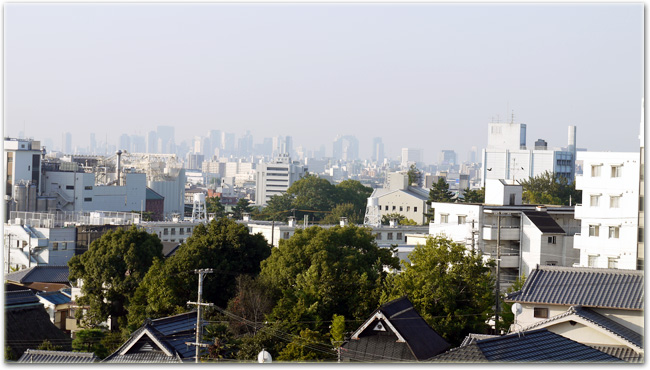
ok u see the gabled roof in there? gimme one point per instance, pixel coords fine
(589, 287)
(28, 326)
(20, 298)
(413, 191)
(592, 317)
(472, 338)
(57, 357)
(544, 222)
(532, 346)
(161, 340)
(40, 274)
(55, 297)
(416, 340)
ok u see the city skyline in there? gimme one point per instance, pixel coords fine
(424, 76)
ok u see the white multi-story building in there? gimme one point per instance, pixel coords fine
(410, 156)
(609, 211)
(276, 177)
(506, 156)
(400, 198)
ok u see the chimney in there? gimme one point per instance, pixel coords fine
(119, 160)
(292, 221)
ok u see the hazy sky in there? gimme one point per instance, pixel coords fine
(427, 76)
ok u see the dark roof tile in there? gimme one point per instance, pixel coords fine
(544, 222)
(57, 357)
(40, 274)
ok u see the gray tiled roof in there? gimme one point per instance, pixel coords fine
(472, 338)
(55, 297)
(624, 353)
(590, 287)
(20, 297)
(40, 274)
(533, 346)
(53, 357)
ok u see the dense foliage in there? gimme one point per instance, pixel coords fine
(474, 196)
(550, 188)
(223, 245)
(450, 287)
(111, 271)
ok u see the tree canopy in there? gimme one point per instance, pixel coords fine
(111, 271)
(213, 206)
(321, 272)
(242, 206)
(473, 196)
(223, 245)
(451, 287)
(439, 192)
(549, 188)
(415, 175)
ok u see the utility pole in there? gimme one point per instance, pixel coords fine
(498, 290)
(9, 254)
(473, 249)
(199, 319)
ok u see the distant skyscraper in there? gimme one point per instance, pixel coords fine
(166, 139)
(227, 143)
(447, 158)
(377, 150)
(152, 142)
(66, 146)
(93, 144)
(138, 144)
(215, 142)
(245, 145)
(125, 143)
(345, 148)
(288, 143)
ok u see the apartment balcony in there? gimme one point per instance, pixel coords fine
(507, 233)
(511, 261)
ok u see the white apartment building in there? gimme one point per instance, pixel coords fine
(22, 161)
(506, 156)
(276, 177)
(609, 211)
(398, 197)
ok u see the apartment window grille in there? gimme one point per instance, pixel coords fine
(180, 231)
(540, 312)
(378, 236)
(189, 230)
(399, 236)
(613, 232)
(593, 230)
(64, 246)
(88, 199)
(462, 220)
(55, 246)
(165, 231)
(595, 170)
(444, 219)
(612, 263)
(389, 236)
(88, 188)
(69, 187)
(616, 171)
(594, 200)
(614, 201)
(173, 231)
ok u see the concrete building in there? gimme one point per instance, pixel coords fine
(377, 150)
(276, 177)
(410, 156)
(400, 198)
(609, 211)
(506, 156)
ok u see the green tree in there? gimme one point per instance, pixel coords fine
(401, 219)
(9, 354)
(549, 188)
(337, 332)
(309, 345)
(347, 210)
(450, 287)
(90, 340)
(251, 304)
(277, 208)
(473, 196)
(213, 206)
(48, 346)
(240, 208)
(223, 245)
(111, 271)
(312, 193)
(415, 175)
(507, 318)
(354, 192)
(321, 272)
(439, 192)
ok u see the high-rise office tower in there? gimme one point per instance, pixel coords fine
(377, 150)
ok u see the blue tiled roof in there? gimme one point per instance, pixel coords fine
(40, 274)
(590, 287)
(54, 297)
(56, 357)
(534, 346)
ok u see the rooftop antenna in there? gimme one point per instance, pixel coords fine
(512, 119)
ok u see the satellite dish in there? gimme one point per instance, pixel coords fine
(516, 309)
(264, 357)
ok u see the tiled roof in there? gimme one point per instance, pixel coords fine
(55, 297)
(532, 346)
(420, 341)
(597, 319)
(27, 328)
(624, 353)
(53, 357)
(544, 222)
(472, 338)
(20, 297)
(590, 287)
(170, 332)
(41, 274)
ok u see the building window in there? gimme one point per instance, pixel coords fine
(69, 187)
(595, 170)
(173, 231)
(640, 236)
(393, 208)
(616, 171)
(551, 240)
(180, 231)
(386, 208)
(401, 209)
(415, 209)
(88, 188)
(378, 236)
(408, 208)
(540, 312)
(612, 263)
(285, 235)
(399, 236)
(592, 261)
(444, 219)
(614, 201)
(593, 230)
(461, 220)
(189, 230)
(165, 231)
(55, 246)
(88, 199)
(64, 246)
(551, 263)
(595, 199)
(613, 232)
(641, 200)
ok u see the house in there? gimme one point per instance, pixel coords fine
(43, 278)
(532, 346)
(57, 357)
(601, 308)
(159, 341)
(58, 307)
(395, 332)
(27, 324)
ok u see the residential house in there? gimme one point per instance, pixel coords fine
(395, 332)
(42, 278)
(58, 307)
